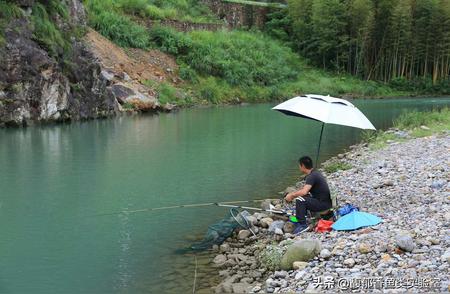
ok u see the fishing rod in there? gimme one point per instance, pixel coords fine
(230, 204)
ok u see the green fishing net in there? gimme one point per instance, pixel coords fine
(217, 233)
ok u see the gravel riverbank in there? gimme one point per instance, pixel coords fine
(406, 183)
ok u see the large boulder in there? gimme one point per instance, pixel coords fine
(302, 250)
(132, 94)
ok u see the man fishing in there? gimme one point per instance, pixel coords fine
(314, 196)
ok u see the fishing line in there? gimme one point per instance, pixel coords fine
(220, 204)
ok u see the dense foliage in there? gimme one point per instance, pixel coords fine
(225, 65)
(387, 40)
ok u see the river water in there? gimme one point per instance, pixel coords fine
(56, 181)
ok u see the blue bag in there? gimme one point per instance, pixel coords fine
(346, 209)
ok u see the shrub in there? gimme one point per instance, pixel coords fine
(214, 90)
(170, 41)
(167, 93)
(155, 12)
(134, 7)
(187, 73)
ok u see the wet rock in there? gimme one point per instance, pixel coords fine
(220, 259)
(256, 289)
(241, 288)
(225, 247)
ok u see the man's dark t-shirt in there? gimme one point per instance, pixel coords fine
(319, 187)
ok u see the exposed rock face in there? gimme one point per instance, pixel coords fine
(35, 87)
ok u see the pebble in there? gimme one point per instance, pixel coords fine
(244, 234)
(405, 184)
(325, 253)
(405, 242)
(350, 262)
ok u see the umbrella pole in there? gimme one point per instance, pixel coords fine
(318, 147)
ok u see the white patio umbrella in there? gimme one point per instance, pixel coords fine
(326, 109)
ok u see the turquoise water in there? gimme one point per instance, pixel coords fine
(56, 180)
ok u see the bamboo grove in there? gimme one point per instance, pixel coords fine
(376, 39)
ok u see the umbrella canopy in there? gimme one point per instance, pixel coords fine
(355, 220)
(325, 109)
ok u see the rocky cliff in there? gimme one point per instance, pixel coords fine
(39, 83)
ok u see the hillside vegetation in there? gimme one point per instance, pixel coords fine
(401, 42)
(223, 66)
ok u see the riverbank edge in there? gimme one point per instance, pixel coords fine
(175, 108)
(262, 277)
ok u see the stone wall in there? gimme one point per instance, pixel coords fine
(238, 15)
(186, 26)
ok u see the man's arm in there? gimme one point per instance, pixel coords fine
(300, 193)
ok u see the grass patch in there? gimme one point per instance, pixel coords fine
(183, 10)
(120, 29)
(379, 139)
(423, 124)
(312, 80)
(46, 33)
(334, 166)
(436, 121)
(167, 93)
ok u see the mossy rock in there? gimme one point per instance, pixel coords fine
(303, 250)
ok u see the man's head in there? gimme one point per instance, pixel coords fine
(305, 164)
